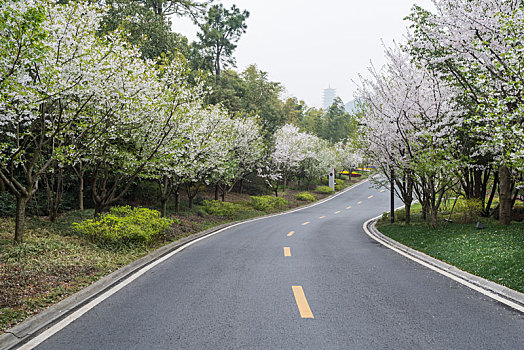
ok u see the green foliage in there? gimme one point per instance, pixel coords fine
(219, 34)
(337, 124)
(384, 218)
(145, 28)
(124, 225)
(225, 209)
(400, 214)
(250, 93)
(468, 209)
(306, 197)
(324, 190)
(339, 187)
(268, 203)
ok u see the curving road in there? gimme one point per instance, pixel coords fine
(338, 289)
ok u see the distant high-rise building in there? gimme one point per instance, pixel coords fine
(328, 97)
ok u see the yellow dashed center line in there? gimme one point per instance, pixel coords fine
(349, 207)
(322, 217)
(359, 202)
(303, 306)
(371, 196)
(287, 251)
(291, 233)
(305, 223)
(337, 212)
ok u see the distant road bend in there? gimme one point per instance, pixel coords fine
(310, 279)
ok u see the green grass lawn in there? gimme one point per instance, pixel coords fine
(495, 253)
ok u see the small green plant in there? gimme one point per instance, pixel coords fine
(225, 209)
(324, 190)
(339, 187)
(306, 197)
(385, 218)
(268, 203)
(400, 214)
(468, 209)
(124, 225)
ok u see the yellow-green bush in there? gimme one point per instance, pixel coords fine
(124, 225)
(468, 209)
(268, 203)
(324, 189)
(306, 197)
(225, 209)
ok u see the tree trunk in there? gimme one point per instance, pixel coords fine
(165, 186)
(241, 186)
(54, 189)
(424, 211)
(392, 196)
(177, 200)
(21, 203)
(492, 195)
(81, 191)
(189, 196)
(434, 213)
(505, 195)
(408, 213)
(80, 176)
(163, 203)
(477, 185)
(216, 192)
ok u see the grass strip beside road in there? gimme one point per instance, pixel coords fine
(495, 253)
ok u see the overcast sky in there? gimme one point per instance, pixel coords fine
(310, 44)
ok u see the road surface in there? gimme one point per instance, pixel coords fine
(311, 279)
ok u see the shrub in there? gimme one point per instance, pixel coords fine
(400, 214)
(123, 225)
(385, 218)
(305, 196)
(470, 209)
(339, 187)
(268, 203)
(324, 189)
(225, 209)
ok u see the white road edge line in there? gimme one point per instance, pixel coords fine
(78, 313)
(442, 272)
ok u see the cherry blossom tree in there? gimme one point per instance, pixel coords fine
(47, 86)
(478, 45)
(291, 148)
(320, 158)
(246, 150)
(411, 120)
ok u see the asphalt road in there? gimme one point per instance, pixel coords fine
(238, 290)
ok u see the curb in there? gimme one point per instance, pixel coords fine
(30, 328)
(502, 294)
(24, 331)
